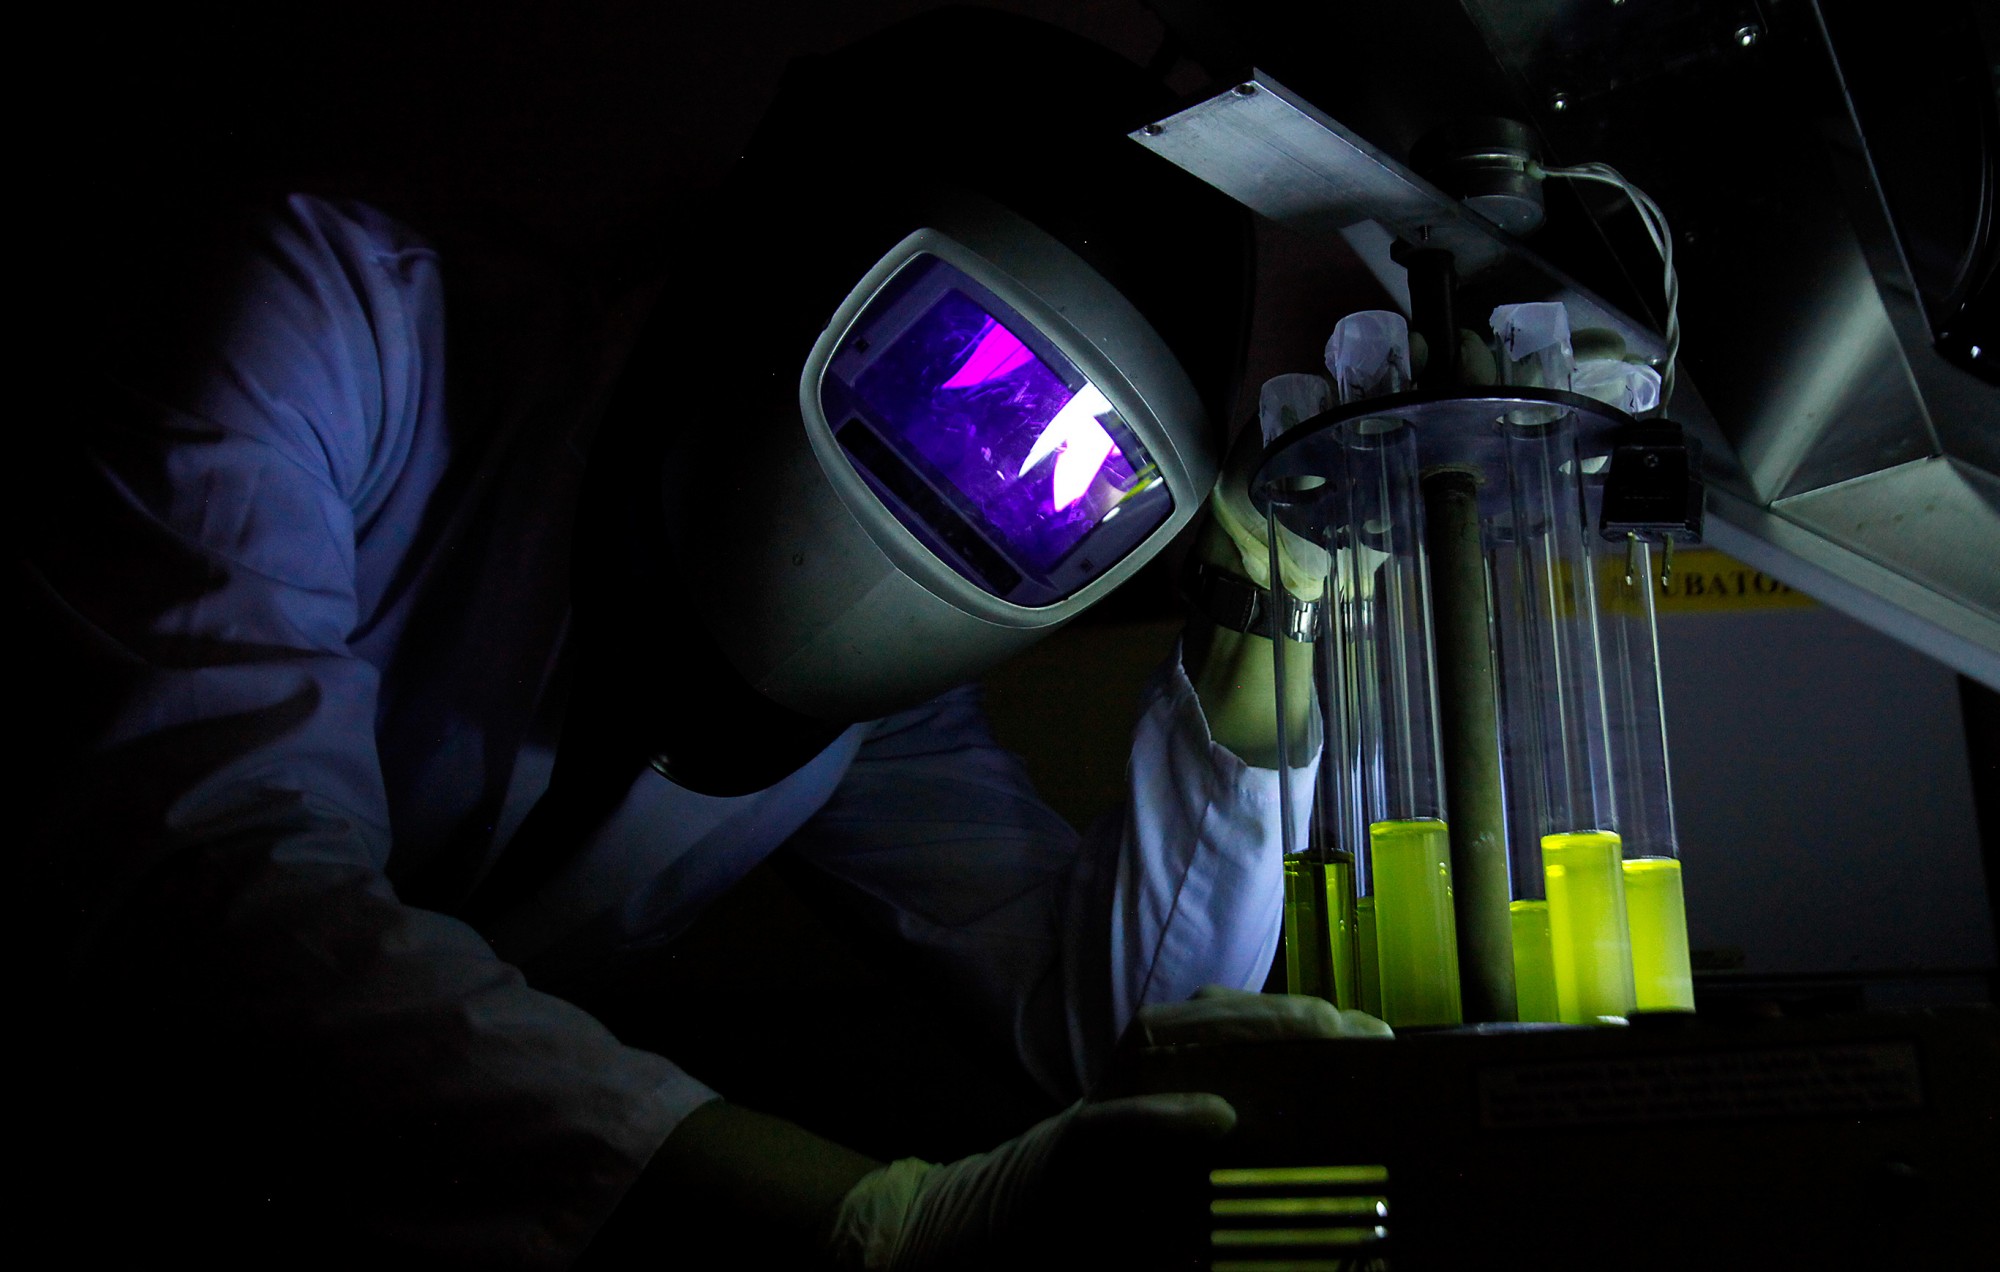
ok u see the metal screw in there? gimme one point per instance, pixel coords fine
(1558, 101)
(1246, 90)
(1748, 35)
(1152, 130)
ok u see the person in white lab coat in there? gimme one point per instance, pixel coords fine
(319, 609)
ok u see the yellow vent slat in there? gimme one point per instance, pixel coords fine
(1295, 1236)
(1377, 1206)
(1259, 1176)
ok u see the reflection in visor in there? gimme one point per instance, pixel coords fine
(1074, 433)
(985, 441)
(1083, 445)
(997, 352)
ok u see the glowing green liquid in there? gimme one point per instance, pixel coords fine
(1656, 912)
(1587, 932)
(1416, 936)
(1341, 925)
(1305, 919)
(1367, 970)
(1319, 929)
(1534, 961)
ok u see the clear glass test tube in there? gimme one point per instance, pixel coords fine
(1408, 844)
(1655, 906)
(1319, 869)
(1521, 776)
(1632, 387)
(1556, 605)
(1327, 868)
(1403, 867)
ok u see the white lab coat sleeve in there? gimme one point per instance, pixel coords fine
(1050, 938)
(211, 867)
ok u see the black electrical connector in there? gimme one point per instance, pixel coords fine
(1653, 491)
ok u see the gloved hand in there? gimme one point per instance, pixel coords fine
(1101, 1175)
(1218, 1013)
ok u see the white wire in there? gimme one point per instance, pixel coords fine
(1655, 222)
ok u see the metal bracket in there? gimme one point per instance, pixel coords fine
(1281, 157)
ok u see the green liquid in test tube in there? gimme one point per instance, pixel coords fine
(1534, 961)
(1339, 893)
(1379, 817)
(1300, 915)
(1655, 907)
(1367, 965)
(1319, 929)
(1656, 913)
(1588, 937)
(1305, 917)
(1416, 935)
(1553, 615)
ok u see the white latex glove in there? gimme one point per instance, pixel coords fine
(1047, 1196)
(1217, 1013)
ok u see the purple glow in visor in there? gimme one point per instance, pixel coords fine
(1079, 443)
(1074, 436)
(985, 441)
(998, 352)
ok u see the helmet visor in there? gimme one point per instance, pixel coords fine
(985, 441)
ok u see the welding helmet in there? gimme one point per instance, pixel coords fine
(958, 369)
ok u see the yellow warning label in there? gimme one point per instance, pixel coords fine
(1705, 581)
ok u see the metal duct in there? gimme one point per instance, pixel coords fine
(1829, 167)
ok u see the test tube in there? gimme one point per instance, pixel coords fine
(1337, 826)
(1520, 765)
(1319, 873)
(1404, 916)
(1320, 920)
(1632, 387)
(1655, 907)
(1581, 852)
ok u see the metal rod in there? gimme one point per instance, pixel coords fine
(1468, 714)
(1434, 312)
